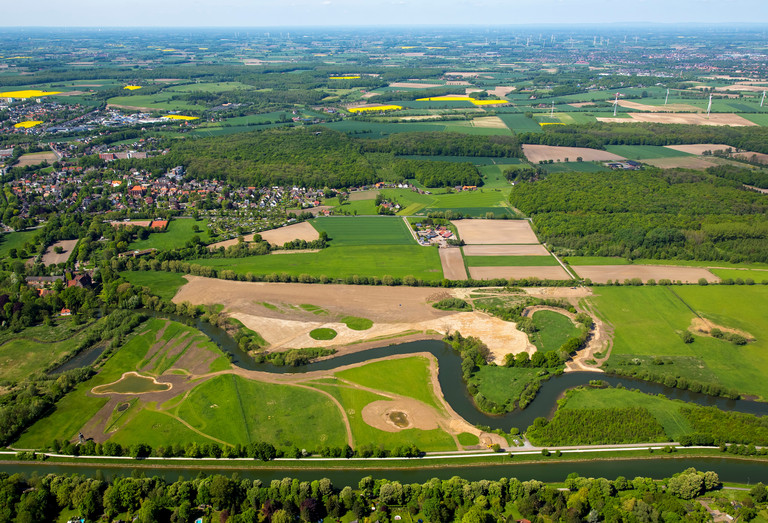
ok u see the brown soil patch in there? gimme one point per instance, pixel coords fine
(743, 86)
(699, 148)
(422, 117)
(297, 231)
(98, 389)
(685, 162)
(133, 108)
(453, 264)
(356, 196)
(505, 250)
(400, 414)
(51, 257)
(413, 85)
(538, 153)
(669, 108)
(543, 273)
(71, 93)
(489, 122)
(729, 119)
(495, 232)
(752, 157)
(583, 104)
(703, 326)
(603, 273)
(502, 91)
(36, 158)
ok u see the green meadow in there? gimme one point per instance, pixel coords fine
(163, 284)
(14, 240)
(178, 233)
(553, 329)
(364, 230)
(644, 152)
(510, 261)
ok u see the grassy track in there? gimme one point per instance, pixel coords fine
(363, 230)
(405, 376)
(554, 330)
(163, 284)
(340, 262)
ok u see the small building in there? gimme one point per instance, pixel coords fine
(65, 312)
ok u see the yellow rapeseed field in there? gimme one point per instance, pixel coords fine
(30, 93)
(344, 77)
(376, 108)
(27, 124)
(179, 117)
(489, 102)
(461, 98)
(132, 87)
(550, 123)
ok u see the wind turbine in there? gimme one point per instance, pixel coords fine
(709, 107)
(552, 114)
(763, 99)
(667, 98)
(615, 104)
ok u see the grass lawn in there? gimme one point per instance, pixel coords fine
(493, 176)
(666, 411)
(238, 410)
(14, 240)
(364, 230)
(644, 152)
(179, 232)
(357, 324)
(156, 429)
(322, 334)
(657, 316)
(499, 384)
(519, 123)
(479, 198)
(405, 376)
(510, 261)
(554, 330)
(467, 439)
(340, 262)
(756, 276)
(163, 284)
(358, 207)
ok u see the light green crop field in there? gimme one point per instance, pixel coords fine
(554, 329)
(658, 315)
(479, 198)
(493, 176)
(364, 230)
(14, 240)
(163, 284)
(510, 261)
(340, 262)
(357, 207)
(178, 233)
(210, 87)
(405, 376)
(666, 411)
(755, 275)
(519, 123)
(644, 152)
(499, 384)
(580, 167)
(237, 410)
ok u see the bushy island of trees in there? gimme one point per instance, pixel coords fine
(220, 498)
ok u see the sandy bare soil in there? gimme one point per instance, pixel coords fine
(100, 388)
(132, 108)
(416, 414)
(489, 122)
(502, 91)
(603, 273)
(538, 153)
(50, 257)
(758, 189)
(543, 273)
(750, 156)
(453, 264)
(729, 119)
(505, 250)
(743, 86)
(355, 196)
(297, 231)
(495, 232)
(686, 162)
(583, 104)
(36, 158)
(669, 108)
(699, 148)
(413, 85)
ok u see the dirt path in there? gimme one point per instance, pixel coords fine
(600, 342)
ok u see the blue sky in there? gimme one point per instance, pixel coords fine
(287, 13)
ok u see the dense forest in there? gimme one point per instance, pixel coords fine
(649, 214)
(235, 500)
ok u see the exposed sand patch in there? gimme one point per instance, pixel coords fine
(699, 148)
(502, 90)
(495, 232)
(400, 414)
(26, 160)
(489, 122)
(686, 162)
(743, 86)
(505, 250)
(543, 273)
(603, 273)
(538, 153)
(102, 389)
(703, 326)
(50, 257)
(453, 263)
(669, 108)
(752, 157)
(729, 119)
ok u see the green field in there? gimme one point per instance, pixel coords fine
(500, 384)
(209, 87)
(658, 315)
(554, 329)
(581, 167)
(14, 240)
(519, 123)
(163, 284)
(364, 230)
(744, 274)
(341, 262)
(237, 410)
(510, 261)
(356, 207)
(493, 176)
(478, 198)
(644, 152)
(404, 376)
(322, 334)
(178, 233)
(158, 101)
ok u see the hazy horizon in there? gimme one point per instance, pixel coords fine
(378, 13)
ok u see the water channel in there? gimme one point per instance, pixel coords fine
(450, 379)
